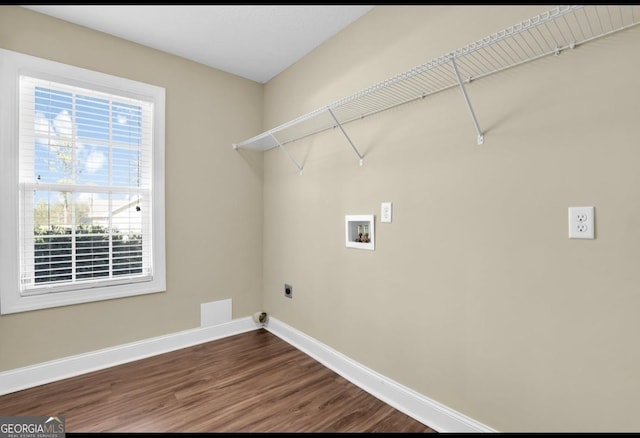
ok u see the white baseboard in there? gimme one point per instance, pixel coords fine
(429, 412)
(421, 408)
(47, 372)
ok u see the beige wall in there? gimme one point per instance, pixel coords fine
(474, 295)
(213, 196)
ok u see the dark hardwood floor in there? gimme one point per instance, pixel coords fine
(251, 382)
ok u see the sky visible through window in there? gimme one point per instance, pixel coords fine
(86, 140)
(87, 152)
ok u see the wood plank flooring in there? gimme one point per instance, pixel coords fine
(251, 382)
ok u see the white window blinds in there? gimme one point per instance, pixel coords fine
(85, 173)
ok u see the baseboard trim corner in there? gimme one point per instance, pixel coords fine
(419, 407)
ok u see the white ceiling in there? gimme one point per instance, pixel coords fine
(253, 41)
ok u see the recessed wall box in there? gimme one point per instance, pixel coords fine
(360, 231)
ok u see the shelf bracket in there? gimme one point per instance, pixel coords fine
(346, 136)
(466, 98)
(287, 152)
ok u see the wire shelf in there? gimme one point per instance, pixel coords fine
(561, 28)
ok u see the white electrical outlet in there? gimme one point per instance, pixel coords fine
(581, 223)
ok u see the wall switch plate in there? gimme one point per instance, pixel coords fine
(385, 212)
(581, 223)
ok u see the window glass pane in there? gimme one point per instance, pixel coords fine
(52, 236)
(101, 233)
(126, 215)
(52, 262)
(54, 162)
(93, 164)
(92, 252)
(55, 107)
(127, 243)
(125, 167)
(91, 210)
(127, 123)
(92, 118)
(127, 254)
(52, 210)
(53, 128)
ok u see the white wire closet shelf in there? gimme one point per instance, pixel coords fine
(561, 28)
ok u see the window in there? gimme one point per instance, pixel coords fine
(81, 185)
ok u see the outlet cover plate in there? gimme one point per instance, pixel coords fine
(385, 212)
(581, 223)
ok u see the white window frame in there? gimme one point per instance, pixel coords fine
(12, 300)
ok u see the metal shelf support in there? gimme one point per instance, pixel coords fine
(466, 99)
(346, 136)
(287, 152)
